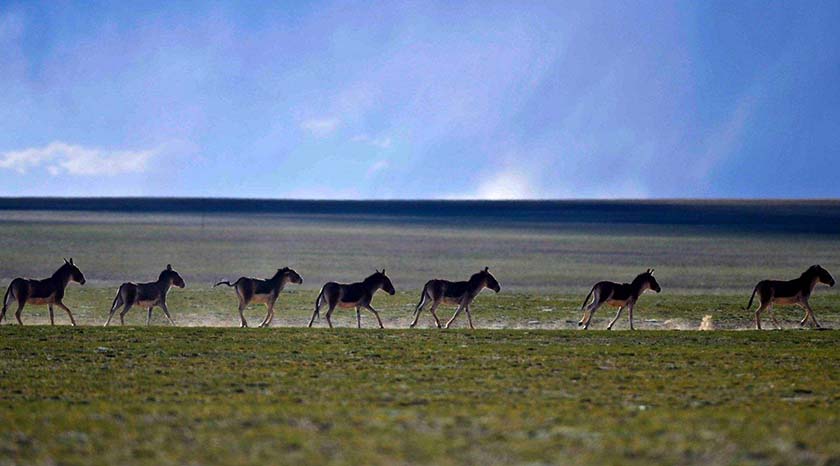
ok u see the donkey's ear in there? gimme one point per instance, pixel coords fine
(71, 261)
(651, 271)
(168, 266)
(486, 269)
(65, 260)
(383, 272)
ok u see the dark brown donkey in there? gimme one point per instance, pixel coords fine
(358, 295)
(459, 293)
(49, 291)
(266, 291)
(796, 291)
(146, 295)
(619, 295)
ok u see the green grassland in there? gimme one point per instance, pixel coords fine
(292, 396)
(527, 387)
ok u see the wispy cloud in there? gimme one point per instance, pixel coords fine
(380, 142)
(377, 167)
(320, 127)
(61, 158)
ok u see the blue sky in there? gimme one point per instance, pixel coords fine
(420, 99)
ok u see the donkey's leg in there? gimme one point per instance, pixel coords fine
(329, 314)
(149, 316)
(418, 309)
(358, 317)
(270, 316)
(457, 311)
(758, 311)
(811, 313)
(805, 317)
(166, 312)
(469, 316)
(125, 310)
(117, 303)
(267, 314)
(67, 309)
(242, 322)
(773, 318)
(317, 312)
(617, 315)
(589, 309)
(630, 311)
(19, 311)
(52, 316)
(432, 310)
(591, 312)
(371, 309)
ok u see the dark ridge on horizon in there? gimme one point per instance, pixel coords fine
(802, 216)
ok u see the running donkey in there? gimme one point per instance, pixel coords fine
(146, 295)
(49, 291)
(262, 291)
(460, 293)
(358, 295)
(620, 295)
(796, 291)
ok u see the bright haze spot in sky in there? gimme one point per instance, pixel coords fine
(439, 100)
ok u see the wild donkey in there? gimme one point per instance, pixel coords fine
(460, 293)
(262, 291)
(619, 295)
(796, 291)
(49, 291)
(358, 295)
(146, 295)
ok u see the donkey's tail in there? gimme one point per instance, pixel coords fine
(5, 302)
(116, 298)
(749, 305)
(318, 302)
(423, 295)
(226, 282)
(586, 300)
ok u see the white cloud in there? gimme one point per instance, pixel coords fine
(382, 142)
(320, 127)
(377, 167)
(505, 185)
(59, 157)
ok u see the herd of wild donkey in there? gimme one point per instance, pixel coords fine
(50, 291)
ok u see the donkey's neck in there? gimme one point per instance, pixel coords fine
(164, 284)
(373, 283)
(62, 276)
(477, 284)
(640, 286)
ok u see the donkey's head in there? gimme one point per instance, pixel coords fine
(291, 275)
(488, 279)
(646, 281)
(384, 280)
(169, 275)
(821, 274)
(73, 272)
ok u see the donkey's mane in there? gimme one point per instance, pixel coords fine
(477, 276)
(64, 267)
(640, 278)
(374, 276)
(163, 275)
